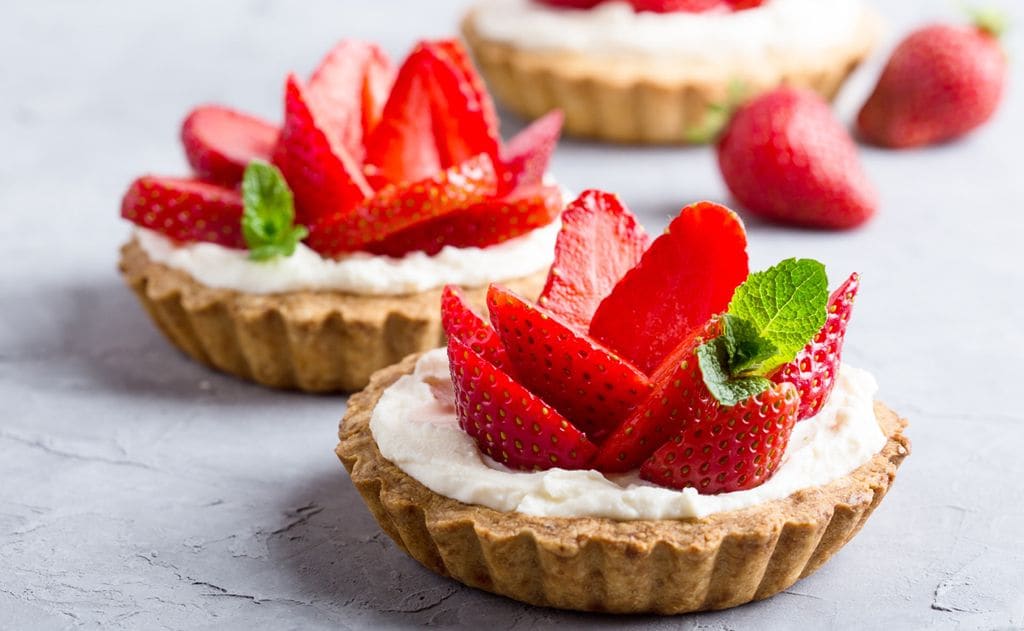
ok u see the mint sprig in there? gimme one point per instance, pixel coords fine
(268, 220)
(773, 315)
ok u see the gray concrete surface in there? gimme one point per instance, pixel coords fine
(138, 490)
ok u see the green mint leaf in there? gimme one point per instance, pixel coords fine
(746, 349)
(268, 219)
(713, 357)
(786, 305)
(285, 247)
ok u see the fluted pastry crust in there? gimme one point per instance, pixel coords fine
(630, 99)
(317, 341)
(594, 564)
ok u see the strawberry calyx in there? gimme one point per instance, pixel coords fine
(990, 21)
(375, 159)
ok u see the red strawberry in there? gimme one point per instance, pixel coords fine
(728, 448)
(686, 276)
(480, 225)
(672, 6)
(219, 142)
(740, 5)
(507, 421)
(402, 147)
(525, 159)
(460, 322)
(786, 158)
(349, 88)
(582, 274)
(465, 123)
(814, 370)
(398, 207)
(940, 83)
(679, 394)
(323, 177)
(589, 385)
(186, 210)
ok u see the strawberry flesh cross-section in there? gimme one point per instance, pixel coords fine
(686, 276)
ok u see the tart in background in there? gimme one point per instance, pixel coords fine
(310, 255)
(654, 71)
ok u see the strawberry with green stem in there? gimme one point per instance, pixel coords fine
(941, 82)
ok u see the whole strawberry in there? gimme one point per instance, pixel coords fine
(941, 82)
(786, 158)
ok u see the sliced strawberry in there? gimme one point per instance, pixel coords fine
(586, 383)
(687, 275)
(402, 147)
(599, 242)
(679, 395)
(323, 177)
(220, 142)
(508, 422)
(728, 448)
(465, 123)
(674, 6)
(186, 210)
(480, 225)
(525, 160)
(814, 370)
(460, 322)
(349, 88)
(741, 5)
(398, 207)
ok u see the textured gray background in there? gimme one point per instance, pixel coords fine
(138, 490)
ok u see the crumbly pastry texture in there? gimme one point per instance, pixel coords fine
(316, 341)
(634, 99)
(594, 564)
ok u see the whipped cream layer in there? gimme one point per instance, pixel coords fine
(776, 28)
(360, 273)
(422, 437)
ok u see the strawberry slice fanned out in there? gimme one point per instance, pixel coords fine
(465, 123)
(220, 142)
(586, 383)
(584, 273)
(508, 422)
(460, 322)
(324, 178)
(526, 157)
(402, 147)
(349, 88)
(481, 225)
(815, 368)
(186, 210)
(686, 276)
(398, 207)
(728, 448)
(679, 395)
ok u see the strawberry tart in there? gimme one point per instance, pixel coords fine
(311, 254)
(662, 431)
(661, 71)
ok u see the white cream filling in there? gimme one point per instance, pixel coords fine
(777, 28)
(422, 437)
(360, 273)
